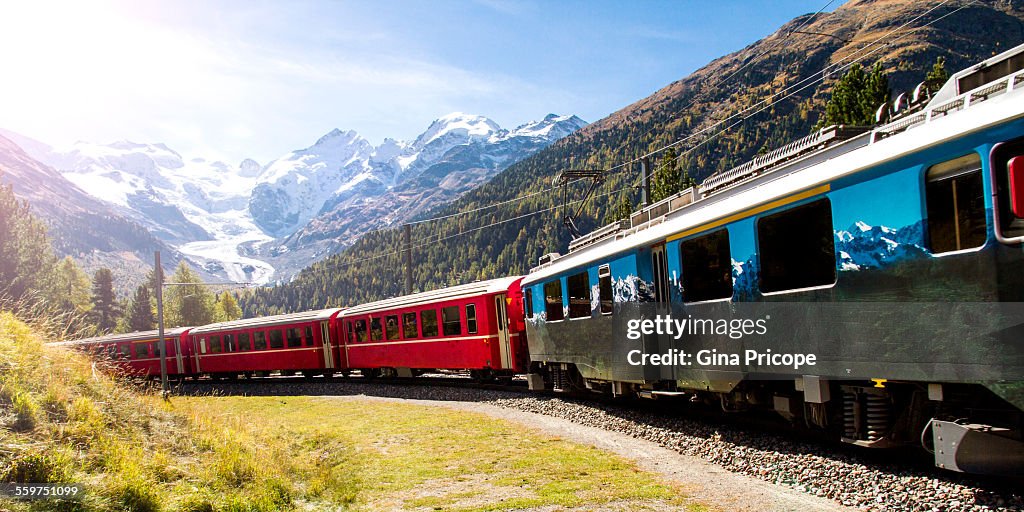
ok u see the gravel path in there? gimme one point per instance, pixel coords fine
(822, 474)
(702, 481)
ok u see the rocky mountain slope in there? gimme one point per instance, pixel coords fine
(80, 225)
(766, 94)
(256, 223)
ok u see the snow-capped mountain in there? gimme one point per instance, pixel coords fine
(863, 246)
(224, 215)
(321, 199)
(343, 169)
(197, 205)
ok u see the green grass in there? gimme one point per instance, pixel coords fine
(64, 421)
(402, 456)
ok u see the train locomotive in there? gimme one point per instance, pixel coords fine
(891, 256)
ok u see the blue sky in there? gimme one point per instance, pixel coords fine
(238, 79)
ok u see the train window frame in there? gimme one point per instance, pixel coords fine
(579, 306)
(451, 326)
(528, 302)
(213, 342)
(124, 351)
(275, 342)
(433, 325)
(701, 268)
(229, 342)
(141, 350)
(1007, 226)
(471, 323)
(244, 340)
(259, 340)
(293, 337)
(605, 295)
(551, 305)
(376, 329)
(415, 325)
(795, 268)
(362, 330)
(308, 336)
(391, 329)
(962, 180)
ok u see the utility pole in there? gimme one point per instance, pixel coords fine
(407, 256)
(162, 343)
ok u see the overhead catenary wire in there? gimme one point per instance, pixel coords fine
(786, 93)
(718, 82)
(806, 82)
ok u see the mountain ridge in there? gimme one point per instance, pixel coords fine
(483, 244)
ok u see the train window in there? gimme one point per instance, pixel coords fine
(604, 281)
(142, 350)
(956, 204)
(112, 351)
(126, 351)
(229, 343)
(215, 344)
(429, 320)
(707, 267)
(451, 324)
(309, 336)
(276, 338)
(376, 331)
(579, 295)
(553, 301)
(797, 248)
(259, 340)
(294, 335)
(409, 326)
(391, 327)
(243, 342)
(361, 330)
(471, 318)
(528, 303)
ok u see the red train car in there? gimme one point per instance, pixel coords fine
(137, 352)
(477, 326)
(304, 342)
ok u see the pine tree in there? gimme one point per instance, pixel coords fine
(938, 75)
(856, 97)
(70, 287)
(105, 310)
(666, 180)
(140, 313)
(226, 308)
(26, 257)
(187, 304)
(622, 210)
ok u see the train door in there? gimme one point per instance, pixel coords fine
(325, 336)
(660, 271)
(501, 317)
(177, 355)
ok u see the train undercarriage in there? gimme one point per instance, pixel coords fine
(966, 427)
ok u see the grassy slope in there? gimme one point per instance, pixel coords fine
(64, 421)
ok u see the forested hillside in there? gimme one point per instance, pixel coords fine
(755, 99)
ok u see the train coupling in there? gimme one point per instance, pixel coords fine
(976, 448)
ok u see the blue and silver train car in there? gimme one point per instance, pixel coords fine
(864, 281)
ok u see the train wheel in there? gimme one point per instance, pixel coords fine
(370, 373)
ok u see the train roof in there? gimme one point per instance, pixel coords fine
(130, 336)
(809, 165)
(266, 321)
(453, 292)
